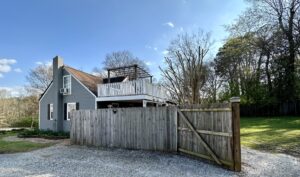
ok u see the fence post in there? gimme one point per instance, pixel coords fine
(235, 106)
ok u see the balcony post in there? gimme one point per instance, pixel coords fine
(108, 76)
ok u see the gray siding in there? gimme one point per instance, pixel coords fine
(48, 98)
(79, 94)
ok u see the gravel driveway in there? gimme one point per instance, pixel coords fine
(62, 160)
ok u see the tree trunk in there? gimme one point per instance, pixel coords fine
(268, 74)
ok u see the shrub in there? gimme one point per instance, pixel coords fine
(48, 134)
(26, 122)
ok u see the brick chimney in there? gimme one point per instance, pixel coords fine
(58, 98)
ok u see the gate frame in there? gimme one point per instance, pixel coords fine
(235, 138)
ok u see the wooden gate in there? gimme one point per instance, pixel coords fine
(211, 132)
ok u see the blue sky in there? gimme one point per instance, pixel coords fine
(84, 31)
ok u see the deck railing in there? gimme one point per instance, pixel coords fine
(136, 87)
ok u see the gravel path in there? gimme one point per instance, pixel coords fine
(62, 160)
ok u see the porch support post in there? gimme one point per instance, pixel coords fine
(144, 103)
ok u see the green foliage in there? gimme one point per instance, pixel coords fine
(26, 122)
(275, 134)
(260, 60)
(48, 134)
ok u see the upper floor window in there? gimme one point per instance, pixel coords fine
(67, 84)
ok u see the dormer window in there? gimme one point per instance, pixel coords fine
(67, 85)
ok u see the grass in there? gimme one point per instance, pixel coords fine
(276, 134)
(18, 146)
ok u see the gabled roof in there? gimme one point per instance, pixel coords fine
(41, 96)
(88, 80)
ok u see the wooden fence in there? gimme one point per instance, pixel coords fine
(205, 131)
(133, 128)
(288, 108)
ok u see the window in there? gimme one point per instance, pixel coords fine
(70, 107)
(50, 111)
(67, 84)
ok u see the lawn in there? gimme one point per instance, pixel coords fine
(18, 146)
(276, 134)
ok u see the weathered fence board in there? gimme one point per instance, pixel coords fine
(214, 125)
(133, 128)
(206, 131)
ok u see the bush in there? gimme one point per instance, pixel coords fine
(48, 134)
(11, 132)
(26, 122)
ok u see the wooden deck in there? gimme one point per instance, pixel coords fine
(131, 90)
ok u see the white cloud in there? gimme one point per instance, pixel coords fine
(96, 74)
(47, 63)
(5, 68)
(1, 75)
(5, 65)
(5, 61)
(170, 24)
(165, 52)
(148, 63)
(151, 47)
(18, 70)
(15, 91)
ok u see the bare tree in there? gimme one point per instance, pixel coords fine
(212, 85)
(39, 78)
(122, 58)
(185, 74)
(119, 59)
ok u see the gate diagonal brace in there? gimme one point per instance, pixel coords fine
(206, 146)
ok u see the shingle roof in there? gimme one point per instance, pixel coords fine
(88, 80)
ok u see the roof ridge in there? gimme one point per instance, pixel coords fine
(82, 71)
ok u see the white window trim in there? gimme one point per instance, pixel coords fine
(51, 118)
(68, 118)
(70, 89)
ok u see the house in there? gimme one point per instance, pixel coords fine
(72, 89)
